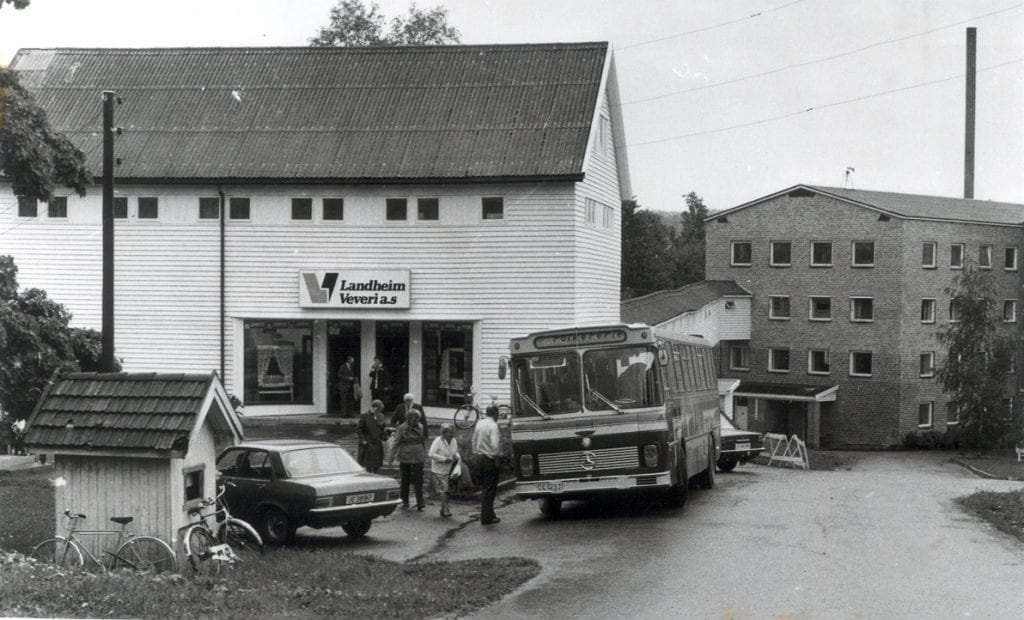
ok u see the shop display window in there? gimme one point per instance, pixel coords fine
(278, 362)
(447, 363)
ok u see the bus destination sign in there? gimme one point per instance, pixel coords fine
(581, 338)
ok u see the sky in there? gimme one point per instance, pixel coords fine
(731, 99)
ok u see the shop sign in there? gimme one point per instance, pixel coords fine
(354, 289)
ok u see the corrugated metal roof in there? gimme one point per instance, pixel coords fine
(370, 114)
(132, 411)
(664, 305)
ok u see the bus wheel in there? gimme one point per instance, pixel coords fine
(550, 506)
(707, 477)
(727, 465)
(677, 494)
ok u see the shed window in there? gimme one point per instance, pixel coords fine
(427, 209)
(239, 209)
(302, 208)
(149, 208)
(492, 208)
(334, 209)
(195, 480)
(395, 209)
(27, 207)
(209, 208)
(120, 207)
(58, 207)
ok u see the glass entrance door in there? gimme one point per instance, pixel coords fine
(342, 341)
(393, 350)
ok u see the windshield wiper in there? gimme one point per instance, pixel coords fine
(529, 402)
(601, 397)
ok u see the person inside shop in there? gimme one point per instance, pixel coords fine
(411, 444)
(380, 389)
(370, 431)
(487, 448)
(346, 387)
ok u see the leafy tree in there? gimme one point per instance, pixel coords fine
(690, 243)
(647, 245)
(353, 24)
(978, 360)
(18, 4)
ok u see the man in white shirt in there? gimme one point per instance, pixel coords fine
(487, 447)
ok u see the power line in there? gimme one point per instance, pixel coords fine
(818, 60)
(820, 107)
(706, 28)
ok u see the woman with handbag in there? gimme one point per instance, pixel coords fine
(412, 443)
(445, 464)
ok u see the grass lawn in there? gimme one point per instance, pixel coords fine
(1005, 511)
(287, 581)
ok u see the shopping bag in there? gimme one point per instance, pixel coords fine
(357, 391)
(390, 448)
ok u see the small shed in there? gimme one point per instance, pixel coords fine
(133, 444)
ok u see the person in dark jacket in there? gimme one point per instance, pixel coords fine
(380, 389)
(346, 387)
(370, 430)
(407, 405)
(412, 452)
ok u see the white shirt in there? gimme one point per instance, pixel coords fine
(487, 437)
(441, 455)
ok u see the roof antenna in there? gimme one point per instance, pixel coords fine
(848, 178)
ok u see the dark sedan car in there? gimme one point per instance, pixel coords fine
(279, 485)
(737, 446)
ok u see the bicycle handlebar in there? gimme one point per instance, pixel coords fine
(77, 515)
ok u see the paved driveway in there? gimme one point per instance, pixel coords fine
(881, 541)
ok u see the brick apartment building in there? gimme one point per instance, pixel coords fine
(847, 298)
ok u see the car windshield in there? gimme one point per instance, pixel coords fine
(316, 461)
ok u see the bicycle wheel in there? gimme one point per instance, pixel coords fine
(146, 554)
(58, 551)
(466, 416)
(198, 544)
(243, 539)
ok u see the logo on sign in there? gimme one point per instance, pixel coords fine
(354, 289)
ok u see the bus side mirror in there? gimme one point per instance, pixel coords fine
(662, 356)
(502, 367)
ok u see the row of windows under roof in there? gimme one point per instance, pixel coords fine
(239, 208)
(862, 254)
(862, 309)
(819, 361)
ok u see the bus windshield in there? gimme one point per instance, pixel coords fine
(546, 384)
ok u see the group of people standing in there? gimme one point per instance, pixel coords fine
(350, 391)
(410, 449)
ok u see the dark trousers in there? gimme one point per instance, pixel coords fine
(412, 473)
(488, 487)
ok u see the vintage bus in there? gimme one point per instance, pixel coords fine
(612, 409)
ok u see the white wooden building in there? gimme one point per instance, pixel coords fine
(477, 186)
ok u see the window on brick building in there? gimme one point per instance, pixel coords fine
(860, 363)
(927, 310)
(821, 309)
(818, 362)
(926, 365)
(985, 257)
(739, 357)
(778, 307)
(821, 254)
(741, 254)
(1010, 259)
(862, 309)
(782, 253)
(924, 414)
(778, 360)
(1010, 311)
(863, 253)
(956, 256)
(954, 311)
(952, 414)
(928, 255)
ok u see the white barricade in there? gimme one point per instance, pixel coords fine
(782, 449)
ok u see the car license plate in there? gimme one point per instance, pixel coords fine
(360, 498)
(549, 486)
(743, 446)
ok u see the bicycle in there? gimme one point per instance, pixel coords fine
(467, 414)
(138, 552)
(234, 540)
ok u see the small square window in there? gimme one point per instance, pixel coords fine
(238, 209)
(928, 255)
(427, 209)
(778, 307)
(927, 310)
(209, 208)
(57, 207)
(818, 362)
(334, 209)
(149, 208)
(1010, 259)
(926, 366)
(1010, 311)
(860, 363)
(862, 309)
(396, 209)
(778, 360)
(741, 254)
(492, 208)
(956, 256)
(739, 357)
(821, 254)
(985, 257)
(120, 207)
(863, 253)
(302, 209)
(821, 309)
(924, 415)
(27, 207)
(194, 478)
(782, 254)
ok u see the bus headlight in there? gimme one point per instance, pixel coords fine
(651, 455)
(526, 465)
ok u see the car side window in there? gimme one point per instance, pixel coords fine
(227, 464)
(260, 465)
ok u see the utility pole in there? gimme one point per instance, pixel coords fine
(972, 57)
(107, 355)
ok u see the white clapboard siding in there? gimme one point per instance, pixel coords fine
(734, 323)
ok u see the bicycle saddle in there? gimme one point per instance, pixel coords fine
(122, 520)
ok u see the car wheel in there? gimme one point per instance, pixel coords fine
(277, 528)
(726, 466)
(356, 529)
(550, 506)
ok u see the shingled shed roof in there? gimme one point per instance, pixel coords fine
(661, 306)
(328, 114)
(119, 411)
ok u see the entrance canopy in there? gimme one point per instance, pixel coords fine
(788, 391)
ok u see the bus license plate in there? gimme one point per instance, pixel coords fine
(549, 486)
(743, 446)
(361, 498)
